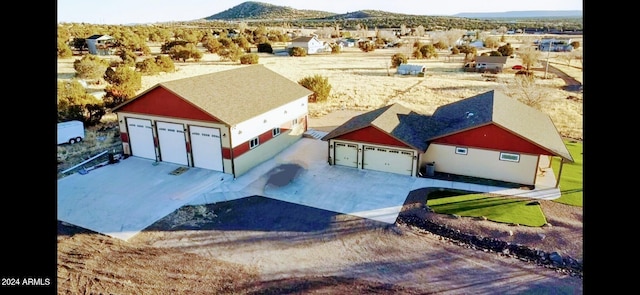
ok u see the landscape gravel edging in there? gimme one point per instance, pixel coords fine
(554, 260)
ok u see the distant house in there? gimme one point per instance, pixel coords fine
(349, 42)
(493, 64)
(101, 44)
(555, 45)
(311, 44)
(409, 69)
(216, 121)
(489, 135)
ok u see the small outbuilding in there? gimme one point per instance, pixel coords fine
(410, 69)
(100, 44)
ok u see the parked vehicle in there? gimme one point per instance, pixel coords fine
(70, 132)
(518, 67)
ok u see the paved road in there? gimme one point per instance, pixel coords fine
(571, 83)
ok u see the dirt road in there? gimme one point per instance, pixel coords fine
(284, 240)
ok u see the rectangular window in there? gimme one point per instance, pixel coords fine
(254, 143)
(294, 122)
(461, 151)
(275, 132)
(510, 157)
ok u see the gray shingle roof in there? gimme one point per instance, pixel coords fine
(491, 107)
(396, 120)
(492, 59)
(236, 95)
(508, 113)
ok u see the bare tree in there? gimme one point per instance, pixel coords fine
(419, 31)
(529, 55)
(525, 89)
(567, 57)
(452, 36)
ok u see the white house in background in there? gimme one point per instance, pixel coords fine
(100, 44)
(311, 44)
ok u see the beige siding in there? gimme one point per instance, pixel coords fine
(481, 163)
(264, 151)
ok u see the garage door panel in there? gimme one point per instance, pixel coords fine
(346, 154)
(206, 147)
(141, 138)
(172, 143)
(388, 160)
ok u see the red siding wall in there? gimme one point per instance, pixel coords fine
(492, 137)
(161, 102)
(372, 135)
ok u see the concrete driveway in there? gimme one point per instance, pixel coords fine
(122, 199)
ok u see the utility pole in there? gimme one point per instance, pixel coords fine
(547, 66)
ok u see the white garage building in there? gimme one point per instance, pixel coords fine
(228, 121)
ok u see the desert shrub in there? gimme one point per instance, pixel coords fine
(148, 66)
(575, 44)
(185, 52)
(166, 47)
(128, 57)
(64, 50)
(427, 51)
(440, 45)
(297, 51)
(265, 47)
(90, 67)
(366, 46)
(74, 103)
(398, 59)
(335, 48)
(249, 59)
(232, 52)
(319, 85)
(506, 50)
(525, 73)
(165, 63)
(124, 82)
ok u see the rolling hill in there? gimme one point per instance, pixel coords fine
(260, 10)
(253, 10)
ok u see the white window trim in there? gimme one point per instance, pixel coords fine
(257, 142)
(462, 150)
(505, 157)
(275, 131)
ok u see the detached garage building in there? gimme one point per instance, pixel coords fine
(228, 121)
(488, 136)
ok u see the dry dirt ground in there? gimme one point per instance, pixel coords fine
(258, 245)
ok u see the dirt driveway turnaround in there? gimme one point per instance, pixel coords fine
(285, 240)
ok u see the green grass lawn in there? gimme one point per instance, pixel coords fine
(571, 178)
(512, 210)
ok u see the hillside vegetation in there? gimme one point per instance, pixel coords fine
(259, 10)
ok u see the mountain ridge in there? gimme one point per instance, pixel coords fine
(260, 10)
(521, 14)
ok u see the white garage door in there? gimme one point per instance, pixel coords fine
(206, 148)
(172, 143)
(141, 138)
(346, 154)
(388, 160)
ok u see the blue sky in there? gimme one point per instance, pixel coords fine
(151, 11)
